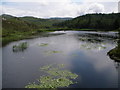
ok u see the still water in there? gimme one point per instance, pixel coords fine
(83, 53)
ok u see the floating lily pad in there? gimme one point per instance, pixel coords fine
(43, 44)
(57, 77)
(51, 52)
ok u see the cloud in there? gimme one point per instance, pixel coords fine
(46, 8)
(36, 0)
(95, 8)
(100, 0)
(60, 0)
(0, 10)
(42, 9)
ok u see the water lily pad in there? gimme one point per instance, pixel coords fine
(43, 44)
(56, 77)
(51, 52)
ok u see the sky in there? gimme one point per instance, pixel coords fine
(57, 8)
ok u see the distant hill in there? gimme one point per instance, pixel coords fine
(12, 24)
(43, 23)
(17, 28)
(7, 16)
(28, 22)
(93, 21)
(59, 18)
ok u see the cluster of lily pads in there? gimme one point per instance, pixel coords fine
(56, 77)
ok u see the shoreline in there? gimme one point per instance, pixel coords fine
(33, 33)
(114, 54)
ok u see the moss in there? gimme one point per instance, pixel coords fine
(56, 78)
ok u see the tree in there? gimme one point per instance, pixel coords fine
(116, 24)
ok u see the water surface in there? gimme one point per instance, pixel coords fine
(82, 52)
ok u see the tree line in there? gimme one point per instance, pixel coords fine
(93, 21)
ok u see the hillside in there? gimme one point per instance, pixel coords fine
(93, 21)
(16, 28)
(12, 24)
(43, 23)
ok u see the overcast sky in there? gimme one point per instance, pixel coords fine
(57, 8)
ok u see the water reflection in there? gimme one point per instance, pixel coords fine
(66, 49)
(96, 41)
(118, 51)
(115, 53)
(97, 38)
(117, 65)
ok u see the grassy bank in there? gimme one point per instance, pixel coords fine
(83, 29)
(17, 35)
(17, 28)
(21, 35)
(115, 54)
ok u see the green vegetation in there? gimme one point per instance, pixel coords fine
(43, 44)
(56, 77)
(43, 23)
(115, 53)
(20, 47)
(52, 52)
(93, 21)
(17, 28)
(14, 29)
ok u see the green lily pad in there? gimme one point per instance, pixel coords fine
(43, 44)
(57, 77)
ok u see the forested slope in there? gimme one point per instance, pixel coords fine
(93, 21)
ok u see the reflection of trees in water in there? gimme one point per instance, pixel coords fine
(117, 64)
(119, 42)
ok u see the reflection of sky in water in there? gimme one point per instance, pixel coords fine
(88, 60)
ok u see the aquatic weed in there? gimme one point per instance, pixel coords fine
(43, 44)
(56, 78)
(20, 47)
